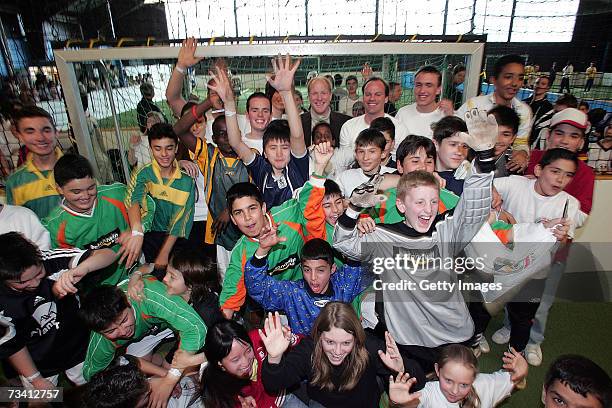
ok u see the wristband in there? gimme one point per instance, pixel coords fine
(229, 113)
(194, 114)
(137, 273)
(175, 372)
(179, 69)
(33, 376)
(136, 233)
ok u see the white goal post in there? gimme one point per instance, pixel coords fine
(65, 60)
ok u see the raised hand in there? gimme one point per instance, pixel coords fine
(186, 56)
(364, 195)
(515, 363)
(247, 402)
(399, 391)
(447, 107)
(482, 130)
(284, 72)
(323, 153)
(223, 86)
(274, 338)
(268, 238)
(391, 357)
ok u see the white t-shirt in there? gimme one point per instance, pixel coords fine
(256, 144)
(339, 162)
(200, 212)
(142, 151)
(21, 219)
(417, 123)
(491, 390)
(526, 205)
(351, 128)
(488, 102)
(351, 178)
(345, 105)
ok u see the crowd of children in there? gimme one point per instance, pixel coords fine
(270, 275)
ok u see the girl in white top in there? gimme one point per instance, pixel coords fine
(460, 384)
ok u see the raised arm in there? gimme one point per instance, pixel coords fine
(282, 81)
(182, 127)
(186, 59)
(225, 91)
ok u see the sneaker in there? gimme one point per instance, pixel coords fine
(483, 344)
(502, 336)
(533, 354)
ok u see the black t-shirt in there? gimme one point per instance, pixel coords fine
(56, 339)
(296, 366)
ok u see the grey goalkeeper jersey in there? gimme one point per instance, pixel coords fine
(423, 307)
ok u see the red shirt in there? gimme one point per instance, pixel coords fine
(581, 186)
(256, 389)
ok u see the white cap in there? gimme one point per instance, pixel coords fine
(571, 116)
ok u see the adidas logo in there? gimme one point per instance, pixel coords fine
(163, 194)
(49, 187)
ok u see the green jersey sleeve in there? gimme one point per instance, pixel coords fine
(100, 354)
(176, 313)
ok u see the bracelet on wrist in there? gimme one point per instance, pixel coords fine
(229, 113)
(179, 69)
(175, 372)
(33, 376)
(136, 233)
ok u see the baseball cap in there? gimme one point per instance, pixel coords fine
(571, 116)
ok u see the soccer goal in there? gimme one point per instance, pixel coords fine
(107, 81)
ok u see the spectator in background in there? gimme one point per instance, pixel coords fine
(320, 96)
(538, 102)
(567, 72)
(552, 74)
(358, 109)
(591, 71)
(345, 105)
(146, 105)
(395, 93)
(339, 92)
(454, 90)
(584, 107)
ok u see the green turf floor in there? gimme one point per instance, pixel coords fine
(573, 328)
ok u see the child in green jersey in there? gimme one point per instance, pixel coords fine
(173, 192)
(90, 217)
(32, 185)
(117, 322)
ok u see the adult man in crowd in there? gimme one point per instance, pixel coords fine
(538, 102)
(320, 96)
(146, 105)
(375, 95)
(395, 93)
(419, 116)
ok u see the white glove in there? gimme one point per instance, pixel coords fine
(482, 130)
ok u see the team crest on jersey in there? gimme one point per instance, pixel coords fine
(105, 241)
(46, 316)
(288, 263)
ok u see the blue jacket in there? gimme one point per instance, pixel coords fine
(295, 298)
